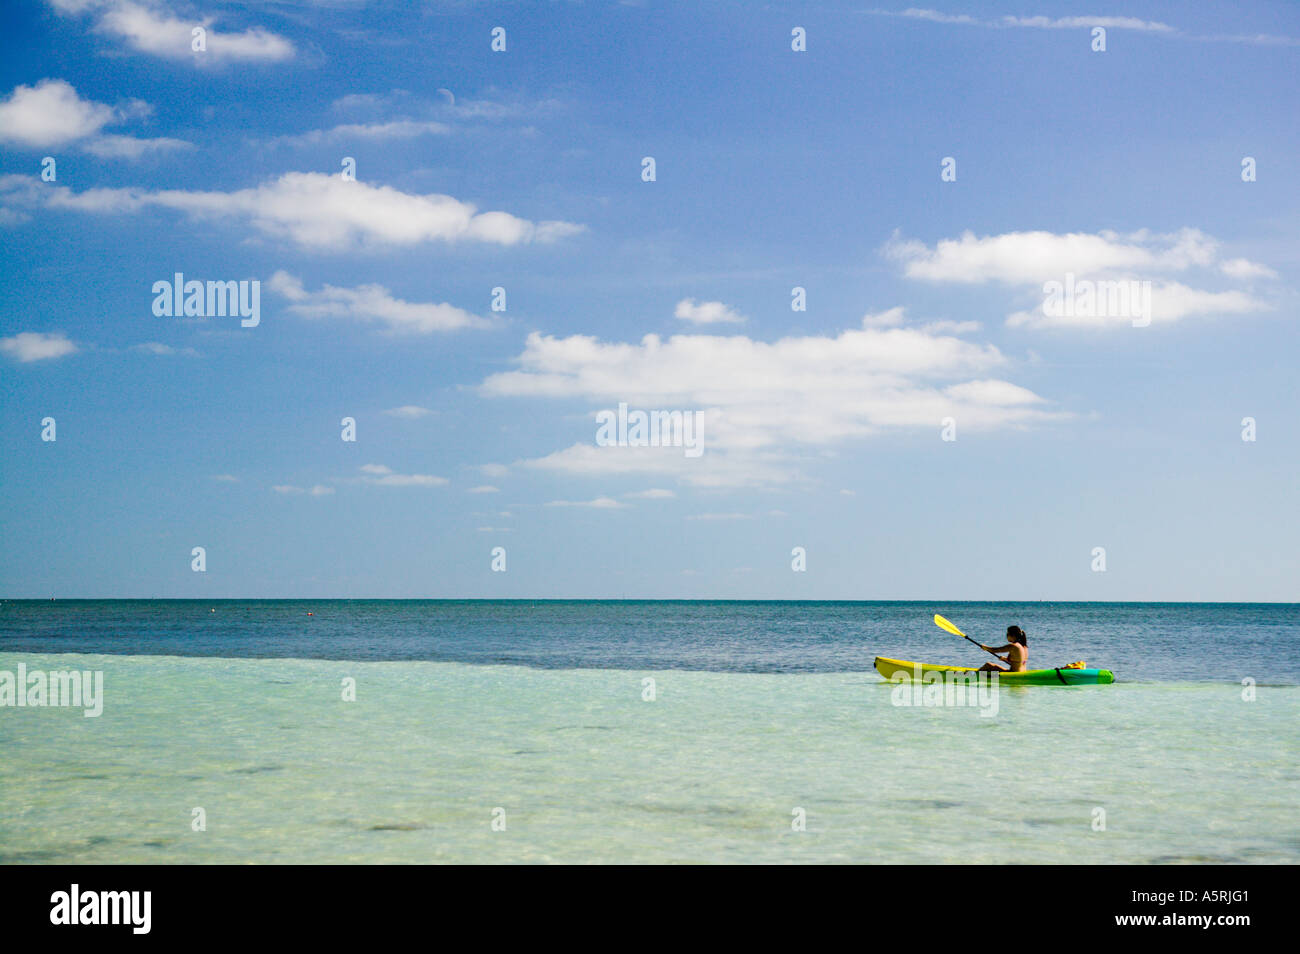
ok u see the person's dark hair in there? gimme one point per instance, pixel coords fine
(1017, 635)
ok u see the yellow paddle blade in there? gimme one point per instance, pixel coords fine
(944, 624)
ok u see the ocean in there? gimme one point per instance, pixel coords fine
(632, 732)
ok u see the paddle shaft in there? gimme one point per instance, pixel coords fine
(947, 626)
(982, 646)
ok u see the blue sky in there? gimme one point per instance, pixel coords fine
(774, 169)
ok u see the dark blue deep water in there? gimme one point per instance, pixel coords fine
(1138, 641)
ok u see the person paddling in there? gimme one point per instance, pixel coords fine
(1016, 649)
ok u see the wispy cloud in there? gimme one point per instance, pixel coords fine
(371, 132)
(383, 476)
(374, 303)
(311, 209)
(409, 412)
(319, 490)
(1137, 24)
(1034, 22)
(599, 503)
(163, 350)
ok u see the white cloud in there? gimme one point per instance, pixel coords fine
(890, 318)
(706, 312)
(1035, 22)
(712, 470)
(226, 478)
(894, 318)
(409, 412)
(383, 476)
(1031, 260)
(313, 210)
(374, 132)
(494, 470)
(1242, 268)
(765, 404)
(720, 516)
(374, 303)
(319, 490)
(51, 115)
(1034, 257)
(484, 489)
(654, 493)
(947, 327)
(128, 147)
(148, 27)
(28, 346)
(158, 348)
(934, 16)
(599, 503)
(1087, 23)
(1170, 301)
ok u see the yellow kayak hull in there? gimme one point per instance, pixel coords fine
(896, 669)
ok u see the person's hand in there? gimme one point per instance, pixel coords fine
(985, 648)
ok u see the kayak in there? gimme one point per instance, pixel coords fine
(1030, 677)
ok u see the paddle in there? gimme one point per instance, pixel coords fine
(944, 624)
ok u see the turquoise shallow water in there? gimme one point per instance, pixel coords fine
(587, 771)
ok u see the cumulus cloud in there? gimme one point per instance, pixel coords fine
(763, 404)
(52, 115)
(1031, 257)
(1097, 264)
(149, 27)
(654, 493)
(28, 346)
(313, 210)
(374, 303)
(706, 312)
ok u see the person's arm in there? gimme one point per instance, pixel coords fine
(999, 649)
